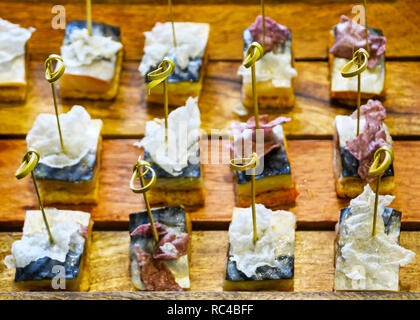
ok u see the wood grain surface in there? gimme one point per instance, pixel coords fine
(310, 22)
(312, 116)
(191, 295)
(317, 205)
(314, 269)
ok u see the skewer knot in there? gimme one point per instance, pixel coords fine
(238, 164)
(356, 65)
(165, 68)
(377, 168)
(51, 75)
(138, 173)
(254, 53)
(30, 160)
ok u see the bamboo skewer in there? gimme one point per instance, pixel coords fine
(89, 17)
(161, 74)
(52, 76)
(138, 173)
(237, 165)
(376, 170)
(30, 160)
(254, 53)
(355, 67)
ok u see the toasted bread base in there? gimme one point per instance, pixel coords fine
(13, 93)
(65, 192)
(80, 283)
(257, 285)
(179, 92)
(271, 191)
(188, 226)
(347, 97)
(166, 197)
(351, 187)
(268, 95)
(16, 92)
(79, 86)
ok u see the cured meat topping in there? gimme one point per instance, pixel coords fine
(154, 274)
(371, 139)
(245, 136)
(145, 230)
(275, 34)
(170, 246)
(351, 36)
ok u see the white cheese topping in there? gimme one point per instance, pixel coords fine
(35, 243)
(13, 39)
(368, 263)
(243, 145)
(93, 56)
(80, 135)
(276, 237)
(278, 132)
(274, 66)
(183, 138)
(191, 40)
(372, 80)
(34, 222)
(347, 129)
(169, 248)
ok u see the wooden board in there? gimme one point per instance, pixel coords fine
(317, 205)
(312, 115)
(314, 258)
(191, 295)
(310, 22)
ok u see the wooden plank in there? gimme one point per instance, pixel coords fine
(310, 22)
(317, 205)
(188, 295)
(312, 115)
(314, 269)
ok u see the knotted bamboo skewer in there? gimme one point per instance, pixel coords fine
(355, 67)
(161, 74)
(52, 76)
(376, 170)
(30, 160)
(250, 163)
(139, 173)
(254, 53)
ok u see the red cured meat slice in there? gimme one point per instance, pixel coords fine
(271, 142)
(154, 274)
(145, 230)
